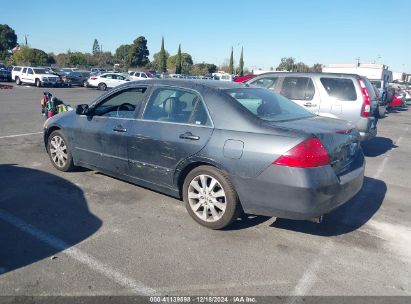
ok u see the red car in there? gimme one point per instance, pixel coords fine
(398, 101)
(243, 78)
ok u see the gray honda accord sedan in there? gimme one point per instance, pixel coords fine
(222, 147)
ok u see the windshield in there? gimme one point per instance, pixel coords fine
(39, 71)
(268, 105)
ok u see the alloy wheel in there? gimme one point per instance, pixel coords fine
(58, 151)
(207, 198)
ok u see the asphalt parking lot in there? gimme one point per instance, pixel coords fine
(84, 233)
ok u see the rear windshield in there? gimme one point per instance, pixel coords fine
(370, 89)
(268, 105)
(339, 88)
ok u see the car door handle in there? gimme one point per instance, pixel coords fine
(309, 104)
(119, 128)
(189, 135)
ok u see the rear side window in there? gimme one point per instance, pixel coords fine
(265, 82)
(370, 89)
(298, 88)
(339, 88)
(267, 105)
(18, 69)
(178, 106)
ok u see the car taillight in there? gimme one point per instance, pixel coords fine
(307, 154)
(366, 107)
(93, 78)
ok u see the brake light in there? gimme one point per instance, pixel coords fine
(93, 78)
(366, 107)
(307, 154)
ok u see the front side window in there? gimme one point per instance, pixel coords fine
(297, 88)
(267, 105)
(30, 71)
(176, 105)
(122, 104)
(339, 88)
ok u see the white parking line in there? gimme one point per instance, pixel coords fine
(307, 281)
(77, 254)
(18, 135)
(309, 277)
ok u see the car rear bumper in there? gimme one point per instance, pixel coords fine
(297, 193)
(364, 126)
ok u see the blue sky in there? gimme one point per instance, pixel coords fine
(311, 31)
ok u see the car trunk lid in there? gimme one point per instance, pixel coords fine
(340, 138)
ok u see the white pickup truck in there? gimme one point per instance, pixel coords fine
(37, 76)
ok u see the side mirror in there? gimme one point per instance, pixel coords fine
(82, 109)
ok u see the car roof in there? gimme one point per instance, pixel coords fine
(308, 74)
(192, 83)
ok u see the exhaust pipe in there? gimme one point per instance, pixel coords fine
(317, 220)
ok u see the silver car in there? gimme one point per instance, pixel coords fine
(344, 96)
(221, 146)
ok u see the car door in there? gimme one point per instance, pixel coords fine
(30, 76)
(101, 138)
(174, 126)
(109, 80)
(23, 75)
(301, 90)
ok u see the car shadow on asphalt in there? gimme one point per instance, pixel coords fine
(34, 206)
(348, 217)
(377, 146)
(396, 110)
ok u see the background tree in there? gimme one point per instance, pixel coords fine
(186, 63)
(51, 58)
(231, 64)
(122, 52)
(241, 66)
(8, 40)
(162, 58)
(286, 64)
(138, 54)
(96, 47)
(179, 61)
(29, 56)
(318, 67)
(105, 59)
(155, 64)
(203, 69)
(301, 67)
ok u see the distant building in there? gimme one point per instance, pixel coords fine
(399, 76)
(372, 71)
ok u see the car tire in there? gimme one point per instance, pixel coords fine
(215, 207)
(102, 86)
(38, 83)
(18, 81)
(59, 152)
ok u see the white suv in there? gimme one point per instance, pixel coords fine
(37, 76)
